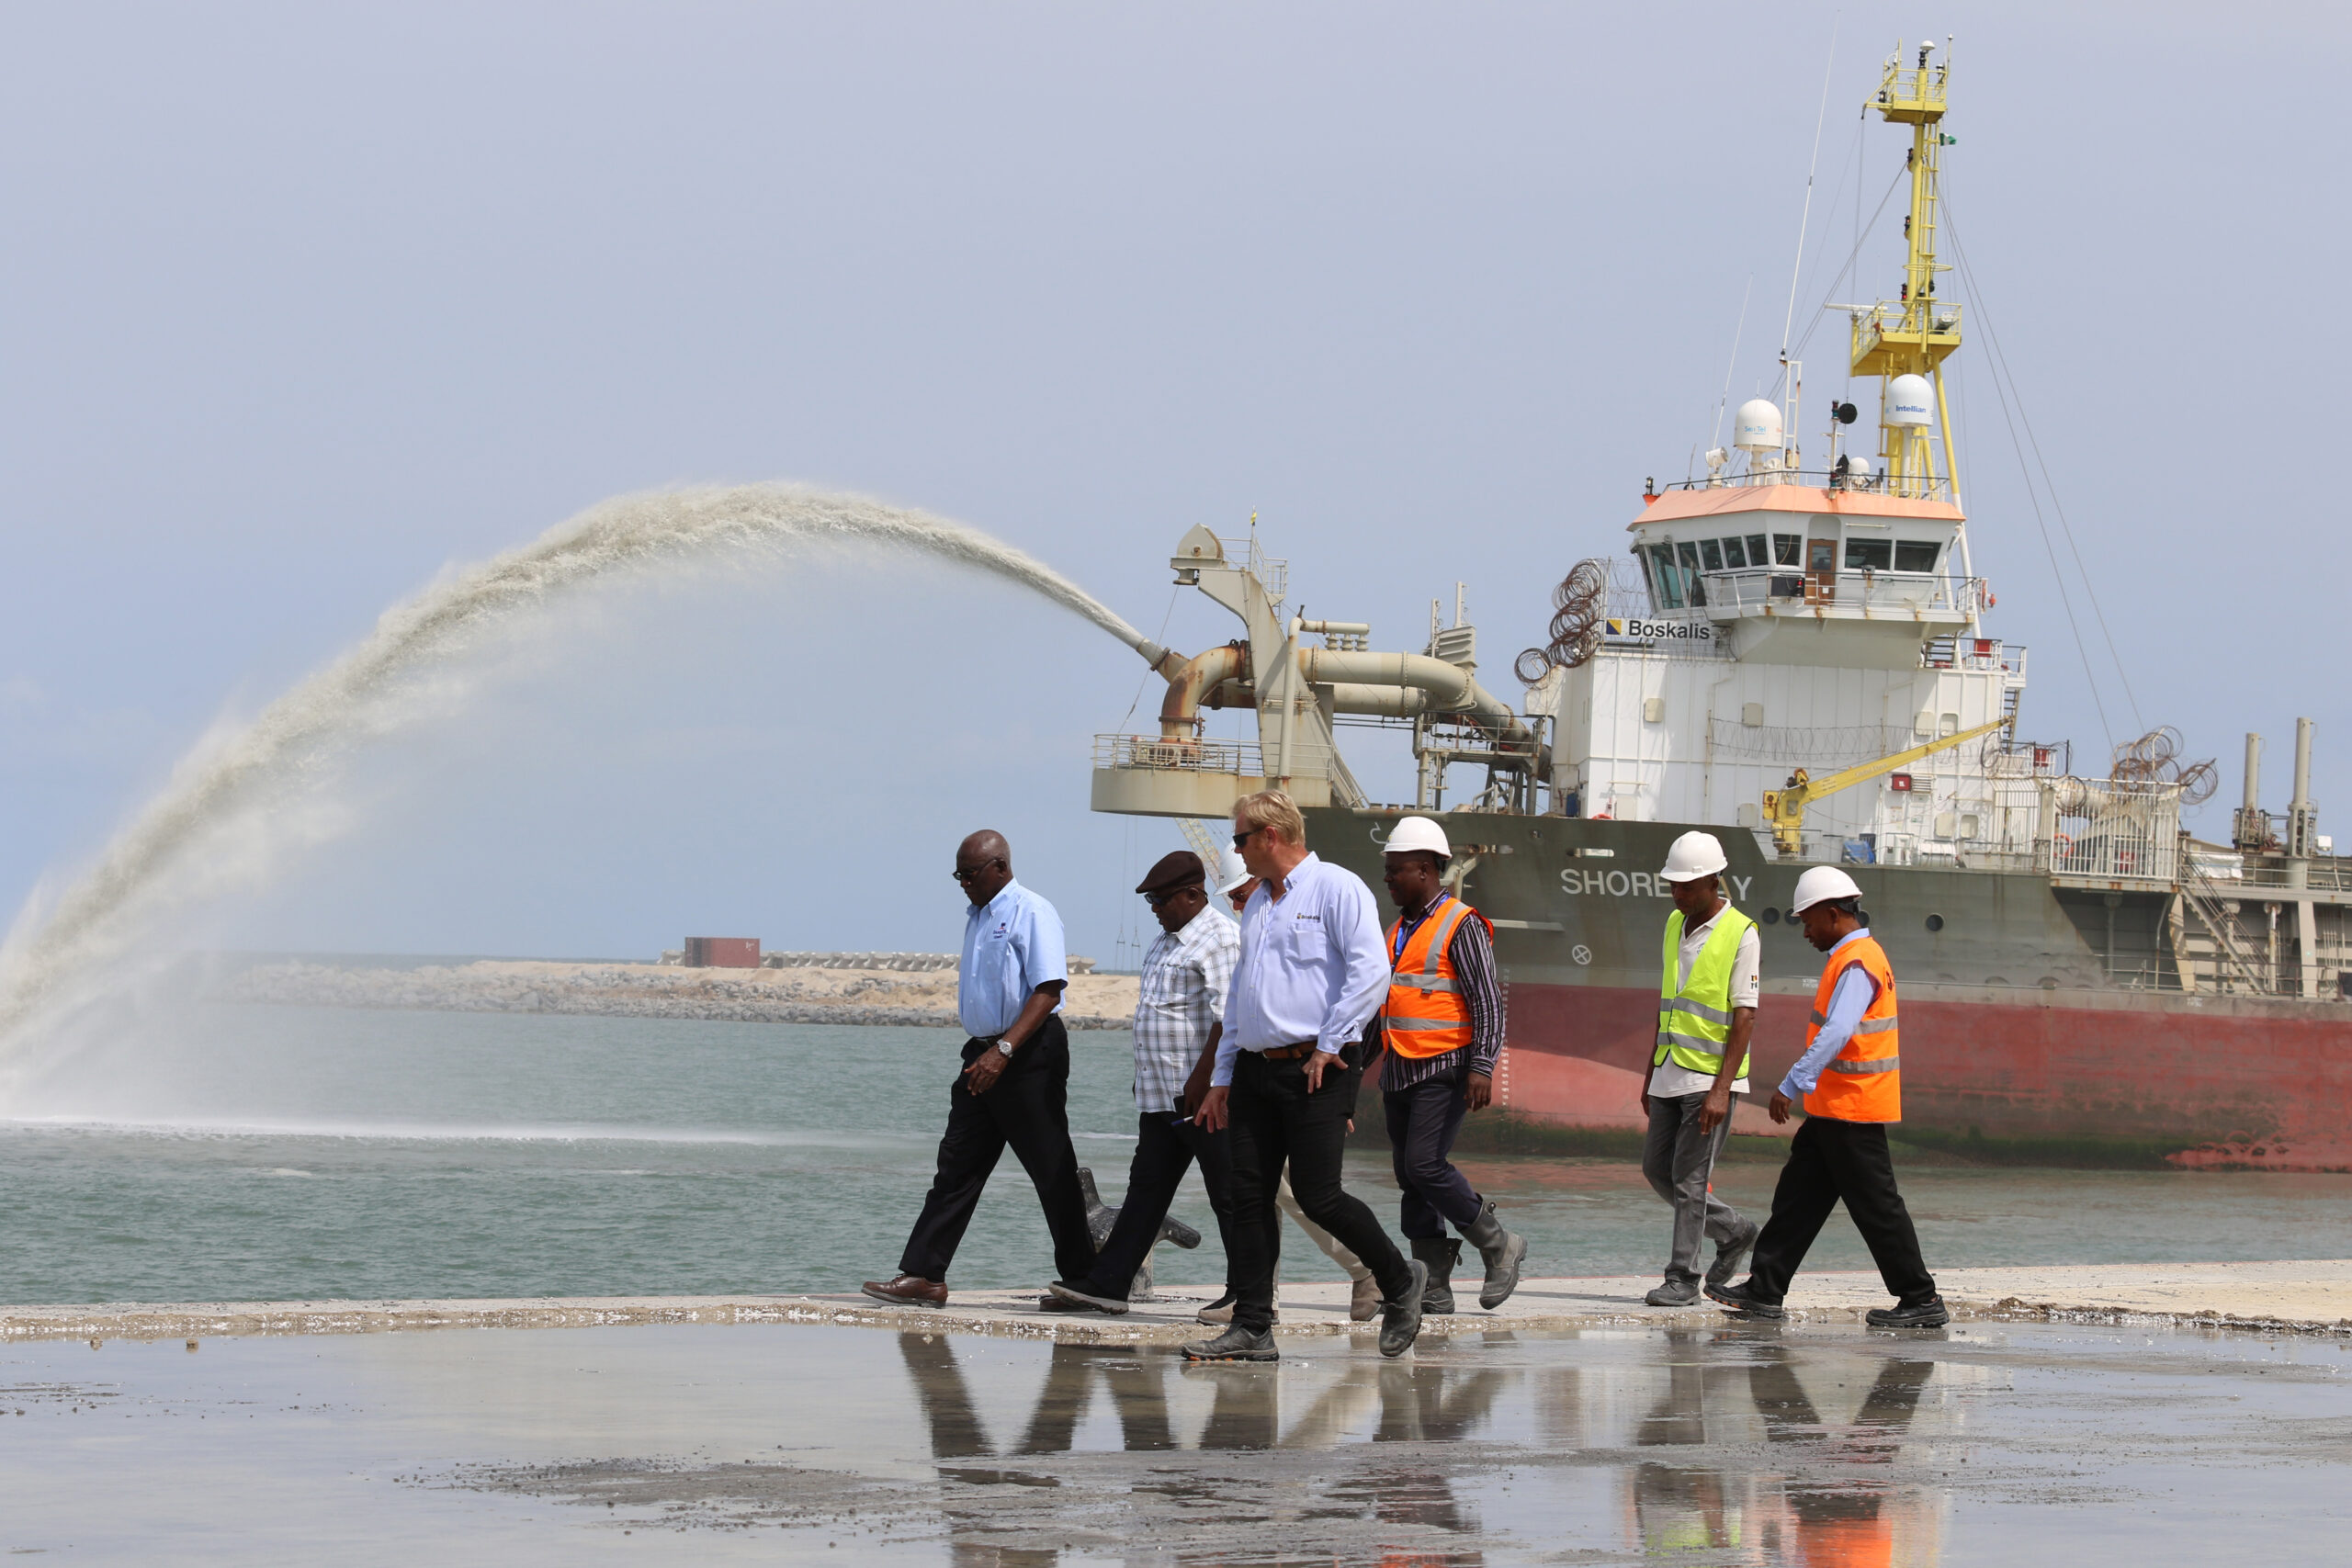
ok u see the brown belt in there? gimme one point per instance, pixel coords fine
(1289, 1053)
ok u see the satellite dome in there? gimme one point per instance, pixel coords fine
(1757, 426)
(1910, 401)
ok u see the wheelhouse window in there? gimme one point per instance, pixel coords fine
(1788, 550)
(1713, 554)
(1735, 554)
(1666, 578)
(1694, 589)
(1870, 555)
(1916, 555)
(1755, 551)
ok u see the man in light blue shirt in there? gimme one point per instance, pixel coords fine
(1313, 971)
(1014, 1090)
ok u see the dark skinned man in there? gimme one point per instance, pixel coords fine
(1178, 1003)
(1014, 1085)
(1442, 1027)
(1850, 1079)
(1706, 1011)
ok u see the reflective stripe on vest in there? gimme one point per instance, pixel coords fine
(1864, 1081)
(1694, 1015)
(1426, 1013)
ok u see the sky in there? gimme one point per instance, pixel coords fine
(301, 307)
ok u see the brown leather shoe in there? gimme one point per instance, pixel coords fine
(907, 1291)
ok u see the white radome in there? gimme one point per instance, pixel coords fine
(1910, 401)
(1757, 426)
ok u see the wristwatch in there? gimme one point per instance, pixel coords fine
(1004, 1048)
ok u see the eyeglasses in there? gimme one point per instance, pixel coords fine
(968, 877)
(1161, 901)
(1243, 837)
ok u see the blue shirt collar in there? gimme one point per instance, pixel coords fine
(1012, 885)
(1855, 935)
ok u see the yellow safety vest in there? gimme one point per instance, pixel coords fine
(1694, 1015)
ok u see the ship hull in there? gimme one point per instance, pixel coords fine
(2040, 1024)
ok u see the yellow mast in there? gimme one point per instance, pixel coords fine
(1911, 335)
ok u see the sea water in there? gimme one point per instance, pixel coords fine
(291, 1153)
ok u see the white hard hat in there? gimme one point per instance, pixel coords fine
(1694, 855)
(1418, 833)
(1231, 876)
(1822, 885)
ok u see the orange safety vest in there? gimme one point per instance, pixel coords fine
(1427, 1015)
(1864, 1081)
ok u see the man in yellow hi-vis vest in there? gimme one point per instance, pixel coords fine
(1851, 1079)
(1706, 1011)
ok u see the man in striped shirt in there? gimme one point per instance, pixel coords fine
(1442, 1025)
(1178, 1007)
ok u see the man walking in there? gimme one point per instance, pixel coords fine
(1178, 1008)
(1706, 1011)
(1013, 1089)
(1311, 976)
(1850, 1078)
(1443, 1027)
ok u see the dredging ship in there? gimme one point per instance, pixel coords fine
(1798, 661)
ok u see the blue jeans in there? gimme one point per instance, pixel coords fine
(1422, 1124)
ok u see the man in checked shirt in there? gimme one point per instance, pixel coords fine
(1178, 1013)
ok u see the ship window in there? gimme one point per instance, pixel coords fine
(1712, 553)
(1757, 555)
(1735, 554)
(1868, 554)
(1698, 591)
(1916, 554)
(1666, 579)
(1788, 550)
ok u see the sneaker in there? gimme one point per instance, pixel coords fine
(1400, 1316)
(1363, 1300)
(1930, 1313)
(1742, 1304)
(1674, 1293)
(1236, 1344)
(1077, 1298)
(1733, 1253)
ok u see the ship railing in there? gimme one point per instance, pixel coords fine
(2325, 873)
(1865, 592)
(1924, 487)
(1191, 754)
(1954, 651)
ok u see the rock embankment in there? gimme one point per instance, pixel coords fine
(925, 998)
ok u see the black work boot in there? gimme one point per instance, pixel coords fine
(1400, 1315)
(1503, 1251)
(1930, 1313)
(1236, 1344)
(1441, 1254)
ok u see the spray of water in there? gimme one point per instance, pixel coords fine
(236, 784)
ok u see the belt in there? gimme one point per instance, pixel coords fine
(1289, 1053)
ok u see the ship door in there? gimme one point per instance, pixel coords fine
(1820, 572)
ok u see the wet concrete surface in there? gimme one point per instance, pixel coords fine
(1701, 1443)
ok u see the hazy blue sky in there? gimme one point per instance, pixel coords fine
(301, 304)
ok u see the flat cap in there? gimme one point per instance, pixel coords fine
(1173, 870)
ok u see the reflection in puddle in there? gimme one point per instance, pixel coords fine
(1733, 1446)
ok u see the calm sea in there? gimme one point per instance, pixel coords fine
(295, 1152)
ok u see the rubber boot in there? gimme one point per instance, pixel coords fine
(1442, 1255)
(1503, 1251)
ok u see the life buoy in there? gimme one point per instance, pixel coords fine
(2061, 846)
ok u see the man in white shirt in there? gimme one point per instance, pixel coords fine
(1313, 972)
(1706, 1012)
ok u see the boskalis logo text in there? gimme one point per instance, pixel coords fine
(1633, 628)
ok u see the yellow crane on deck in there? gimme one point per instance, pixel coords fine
(1784, 809)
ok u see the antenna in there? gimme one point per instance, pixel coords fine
(1714, 440)
(1820, 119)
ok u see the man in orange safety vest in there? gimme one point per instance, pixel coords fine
(1850, 1079)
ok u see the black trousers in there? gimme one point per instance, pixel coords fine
(1423, 1122)
(1274, 1121)
(1829, 1161)
(1027, 1109)
(1166, 1148)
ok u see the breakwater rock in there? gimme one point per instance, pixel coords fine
(925, 999)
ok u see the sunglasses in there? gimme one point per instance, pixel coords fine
(968, 877)
(1243, 837)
